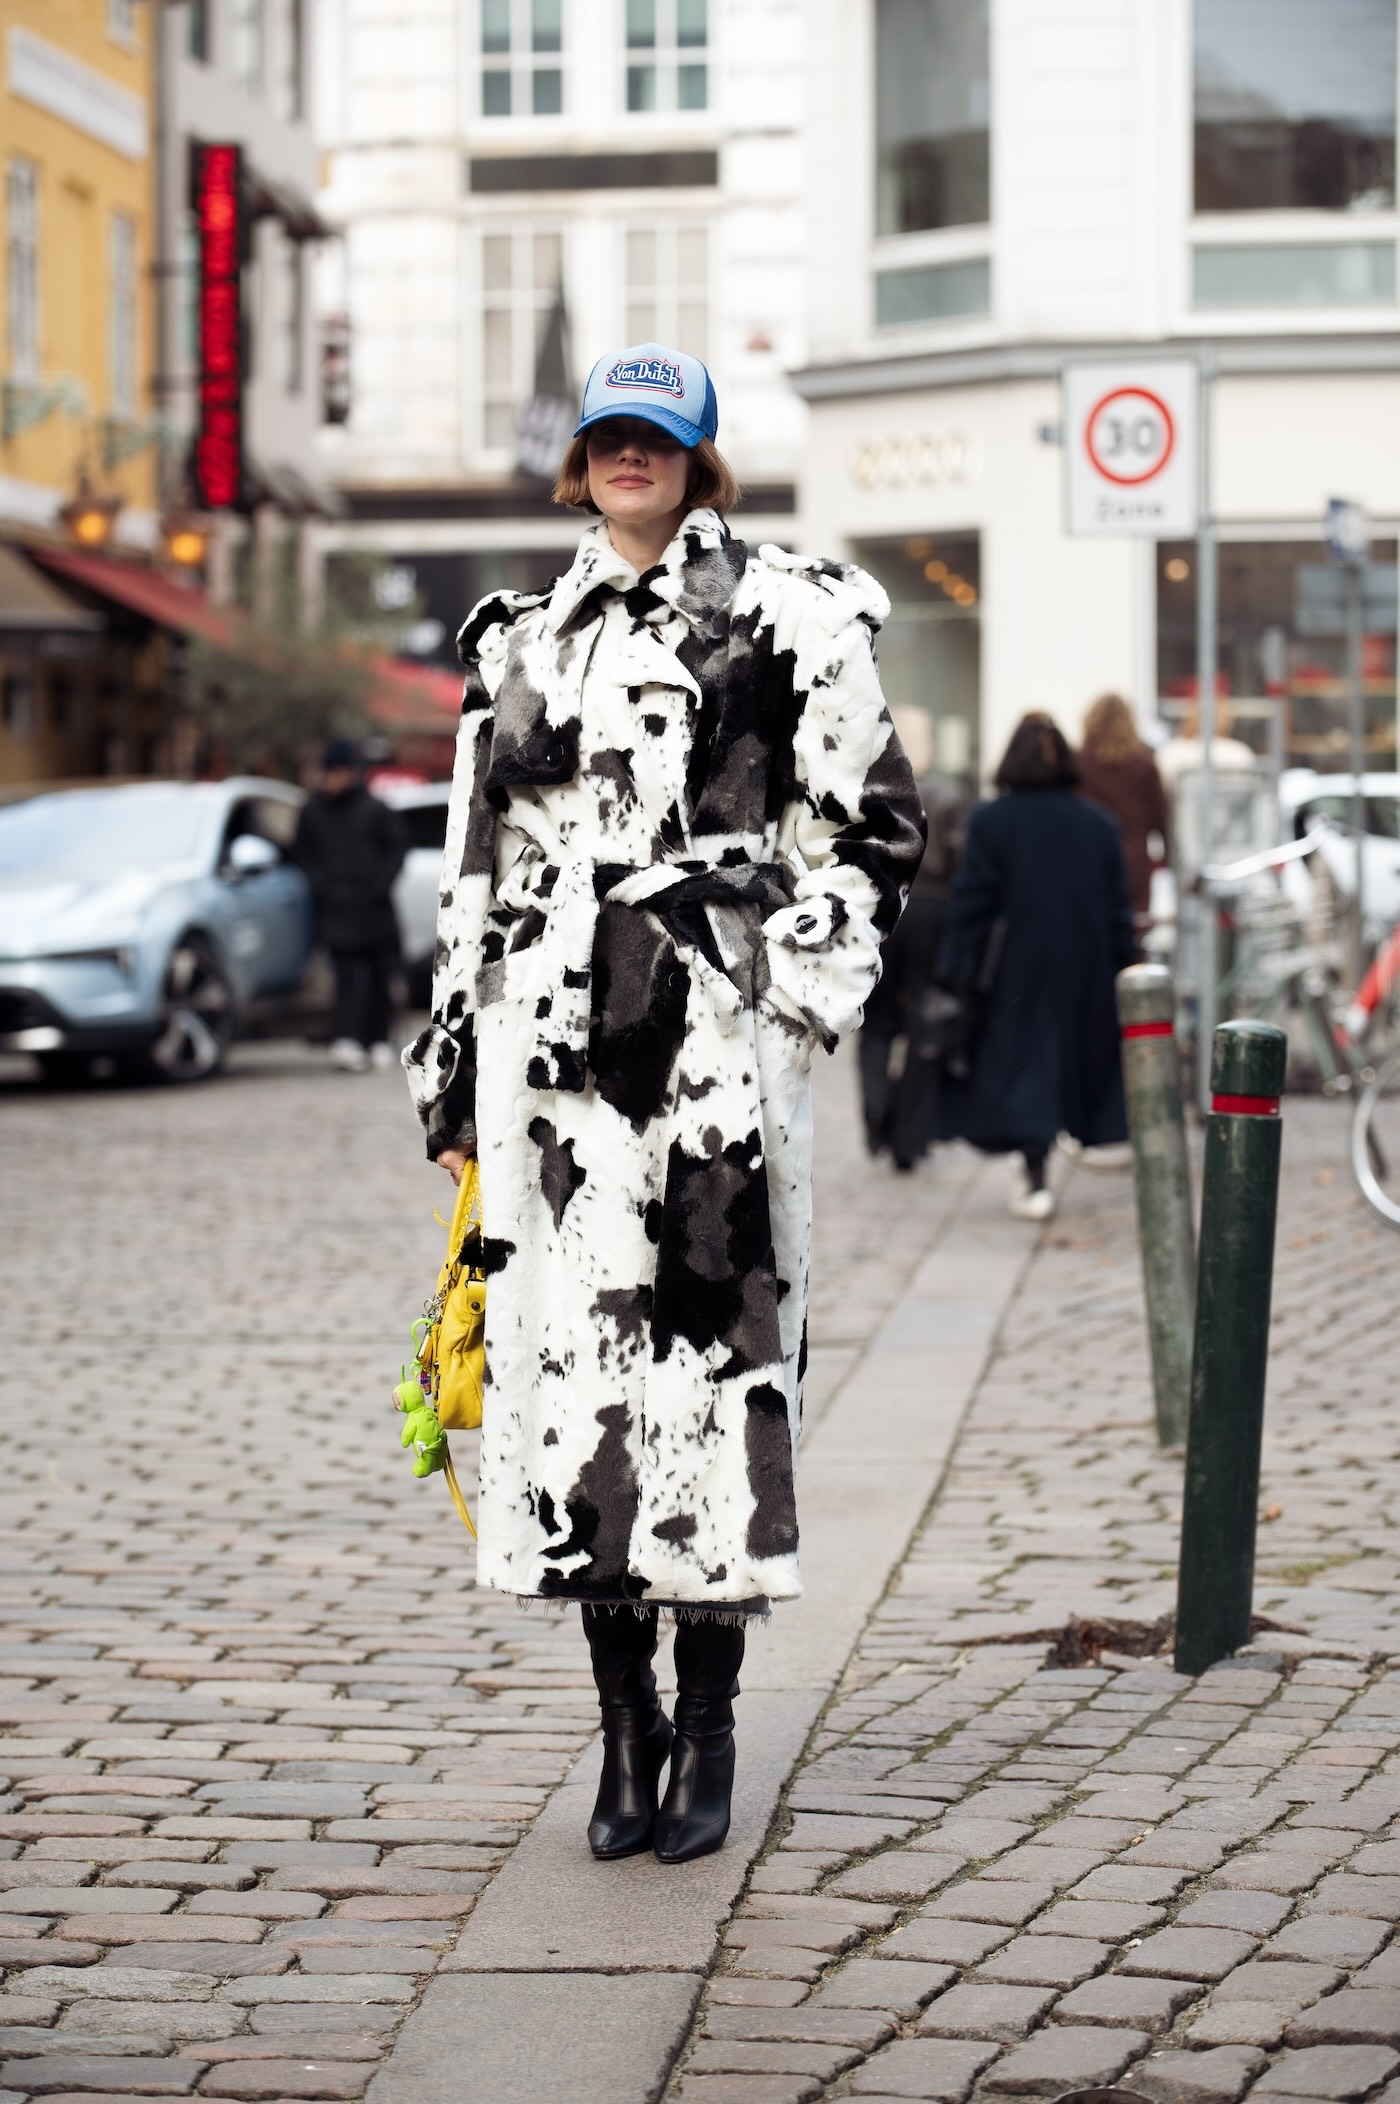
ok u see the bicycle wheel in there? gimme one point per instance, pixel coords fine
(1375, 1142)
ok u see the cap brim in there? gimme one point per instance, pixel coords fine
(679, 427)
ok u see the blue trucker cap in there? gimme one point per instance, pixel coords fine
(660, 386)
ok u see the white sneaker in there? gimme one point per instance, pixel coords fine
(381, 1058)
(1115, 1155)
(347, 1056)
(1032, 1205)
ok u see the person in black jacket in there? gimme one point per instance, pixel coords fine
(351, 847)
(1038, 928)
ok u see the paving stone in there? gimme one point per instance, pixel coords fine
(846, 1835)
(813, 2023)
(939, 2069)
(1241, 2024)
(1046, 1961)
(900, 1874)
(343, 1987)
(881, 1983)
(102, 2073)
(748, 2089)
(944, 1942)
(1189, 1954)
(987, 1899)
(1382, 1859)
(1329, 2071)
(1270, 1870)
(1257, 1913)
(717, 2056)
(1278, 1980)
(209, 1958)
(975, 2011)
(1353, 2016)
(1214, 2077)
(1342, 1893)
(1131, 1880)
(85, 1899)
(274, 2079)
(1107, 1920)
(745, 1993)
(184, 1877)
(1058, 2060)
(1383, 1971)
(1113, 1998)
(1330, 1939)
(118, 1983)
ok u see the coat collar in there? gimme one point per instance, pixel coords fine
(697, 575)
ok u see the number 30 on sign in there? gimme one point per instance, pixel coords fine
(1130, 448)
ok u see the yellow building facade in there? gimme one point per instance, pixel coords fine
(77, 197)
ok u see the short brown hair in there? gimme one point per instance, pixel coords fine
(712, 480)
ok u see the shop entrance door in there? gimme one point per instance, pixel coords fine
(930, 648)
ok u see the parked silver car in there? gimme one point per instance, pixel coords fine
(148, 922)
(422, 809)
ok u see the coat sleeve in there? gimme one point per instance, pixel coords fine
(852, 834)
(441, 1061)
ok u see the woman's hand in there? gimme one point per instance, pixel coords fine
(454, 1160)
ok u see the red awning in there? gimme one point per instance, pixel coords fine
(137, 586)
(426, 696)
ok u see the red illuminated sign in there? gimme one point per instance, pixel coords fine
(218, 195)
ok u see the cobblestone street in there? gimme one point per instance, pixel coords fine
(265, 1748)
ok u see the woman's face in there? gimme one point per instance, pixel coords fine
(637, 473)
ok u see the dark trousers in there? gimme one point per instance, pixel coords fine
(362, 997)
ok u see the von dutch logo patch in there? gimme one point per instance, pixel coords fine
(654, 373)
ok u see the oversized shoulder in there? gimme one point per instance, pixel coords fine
(490, 621)
(831, 594)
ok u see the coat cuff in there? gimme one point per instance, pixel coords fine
(441, 1069)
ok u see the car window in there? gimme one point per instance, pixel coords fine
(101, 832)
(1382, 814)
(266, 817)
(1383, 817)
(425, 825)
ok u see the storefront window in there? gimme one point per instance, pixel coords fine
(1282, 648)
(930, 648)
(931, 114)
(1295, 105)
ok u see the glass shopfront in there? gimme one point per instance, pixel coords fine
(1282, 648)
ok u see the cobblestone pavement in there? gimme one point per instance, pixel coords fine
(261, 1744)
(1019, 1859)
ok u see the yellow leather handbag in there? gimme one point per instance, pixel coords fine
(444, 1392)
(455, 1346)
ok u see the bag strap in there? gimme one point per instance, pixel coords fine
(454, 1490)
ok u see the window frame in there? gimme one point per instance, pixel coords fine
(1264, 228)
(931, 247)
(247, 20)
(522, 299)
(121, 24)
(670, 291)
(668, 56)
(520, 65)
(23, 361)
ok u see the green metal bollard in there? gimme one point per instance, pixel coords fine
(1162, 1174)
(1239, 1206)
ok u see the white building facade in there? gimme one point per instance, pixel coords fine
(646, 158)
(999, 187)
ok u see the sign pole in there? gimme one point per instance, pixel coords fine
(1207, 603)
(1356, 701)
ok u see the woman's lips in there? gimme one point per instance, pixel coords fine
(631, 482)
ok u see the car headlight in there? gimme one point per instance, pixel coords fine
(122, 955)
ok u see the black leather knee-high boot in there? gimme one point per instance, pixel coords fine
(636, 1734)
(694, 1815)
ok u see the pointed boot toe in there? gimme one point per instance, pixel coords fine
(694, 1815)
(635, 1747)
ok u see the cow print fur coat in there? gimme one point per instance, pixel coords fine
(680, 826)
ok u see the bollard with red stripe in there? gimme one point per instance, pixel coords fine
(1162, 1174)
(1239, 1206)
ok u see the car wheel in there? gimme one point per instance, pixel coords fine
(197, 1007)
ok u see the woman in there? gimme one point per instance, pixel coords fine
(1038, 928)
(1117, 772)
(680, 827)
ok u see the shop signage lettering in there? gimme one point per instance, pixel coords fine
(218, 219)
(916, 459)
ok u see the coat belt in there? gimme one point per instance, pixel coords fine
(562, 976)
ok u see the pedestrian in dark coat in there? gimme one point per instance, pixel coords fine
(907, 1004)
(351, 847)
(1118, 773)
(1040, 911)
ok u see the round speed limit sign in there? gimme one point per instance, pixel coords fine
(1132, 431)
(1130, 435)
